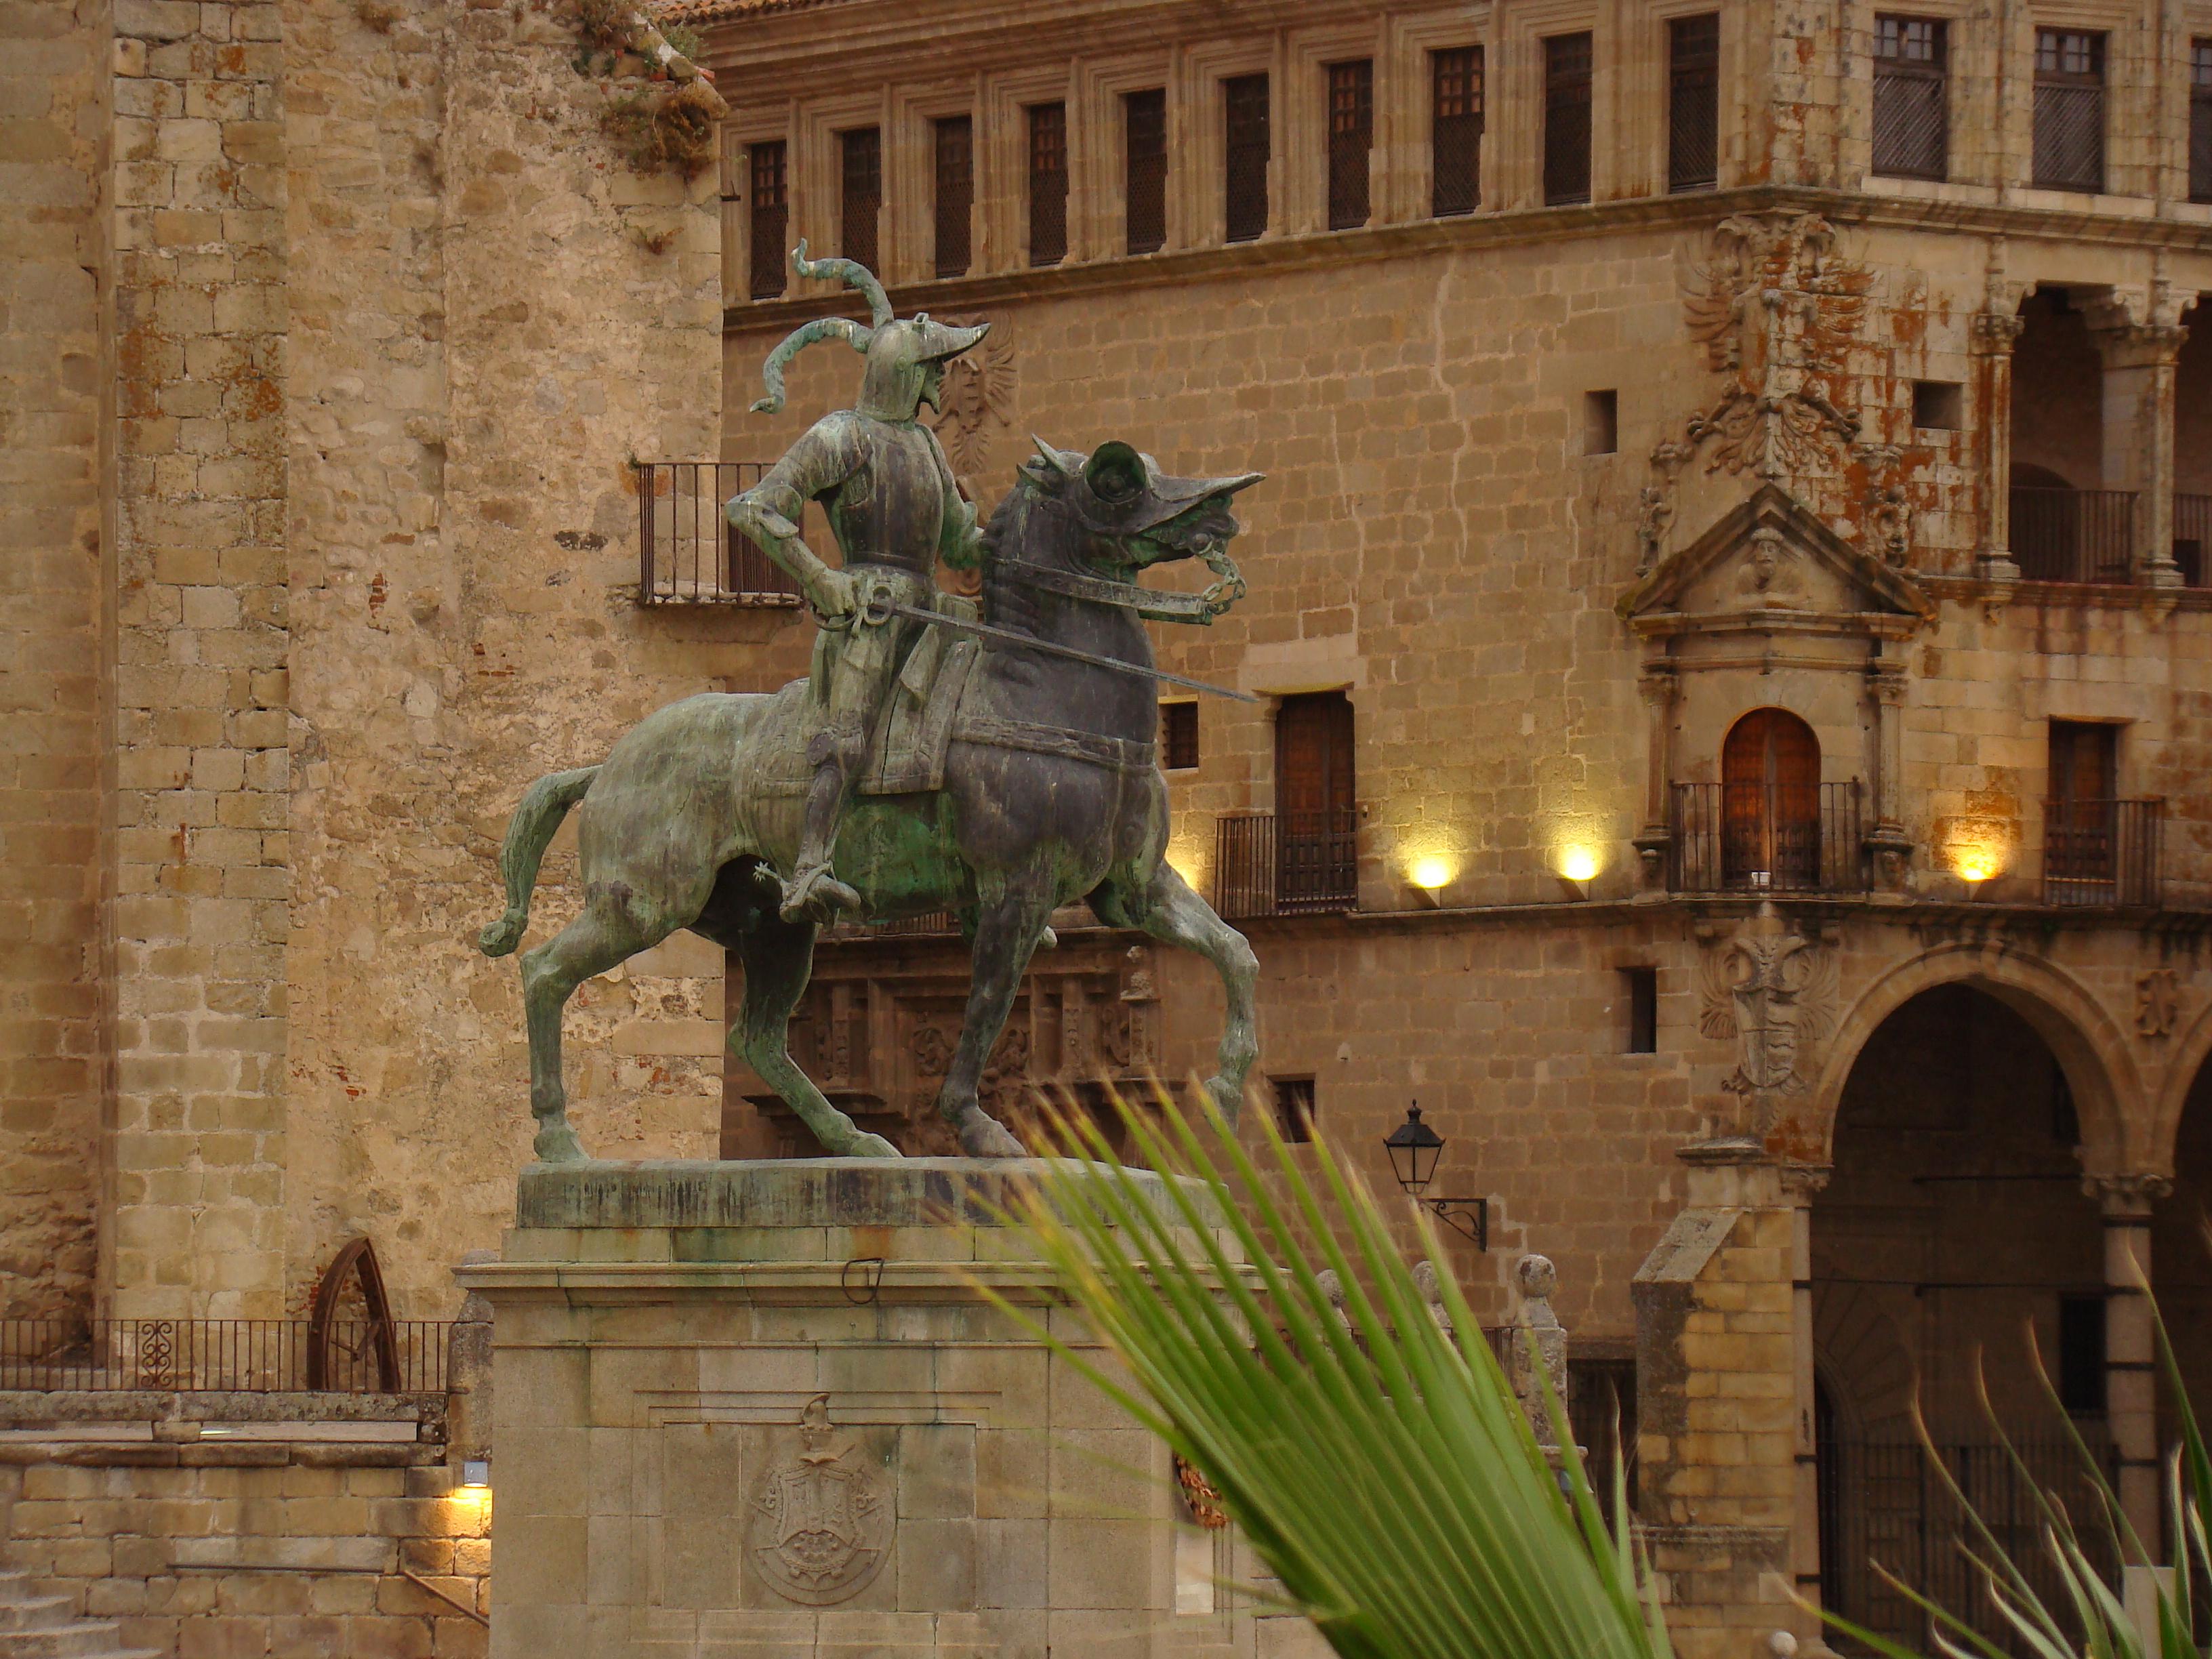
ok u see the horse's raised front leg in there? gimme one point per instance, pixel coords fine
(1008, 927)
(778, 957)
(603, 936)
(1174, 913)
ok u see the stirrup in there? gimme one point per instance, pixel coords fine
(815, 892)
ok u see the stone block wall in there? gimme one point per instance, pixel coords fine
(313, 1527)
(203, 803)
(53, 650)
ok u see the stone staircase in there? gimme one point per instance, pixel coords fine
(35, 1626)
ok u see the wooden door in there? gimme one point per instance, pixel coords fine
(1314, 805)
(1770, 802)
(2080, 816)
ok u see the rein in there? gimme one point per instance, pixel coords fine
(1145, 602)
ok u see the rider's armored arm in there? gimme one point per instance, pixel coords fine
(768, 513)
(959, 542)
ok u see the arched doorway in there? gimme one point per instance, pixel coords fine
(1770, 802)
(1953, 1225)
(2181, 1258)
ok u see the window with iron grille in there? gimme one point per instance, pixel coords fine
(1454, 130)
(1693, 102)
(1294, 1109)
(1048, 184)
(1351, 136)
(771, 215)
(860, 192)
(1178, 736)
(2200, 120)
(956, 192)
(1567, 59)
(2069, 110)
(1244, 176)
(1144, 150)
(1911, 97)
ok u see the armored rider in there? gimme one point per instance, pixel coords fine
(891, 503)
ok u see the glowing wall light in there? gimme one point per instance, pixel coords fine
(1579, 863)
(1431, 873)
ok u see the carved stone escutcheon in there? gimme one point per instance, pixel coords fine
(822, 1521)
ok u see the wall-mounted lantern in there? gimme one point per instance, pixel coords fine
(1415, 1150)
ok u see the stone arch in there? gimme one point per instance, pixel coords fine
(2090, 1047)
(2191, 1054)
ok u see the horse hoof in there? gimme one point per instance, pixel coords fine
(556, 1143)
(982, 1135)
(1048, 940)
(864, 1144)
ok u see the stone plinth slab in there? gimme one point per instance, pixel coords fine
(768, 1409)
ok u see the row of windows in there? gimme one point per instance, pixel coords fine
(1456, 108)
(1912, 106)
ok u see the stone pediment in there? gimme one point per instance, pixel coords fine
(1769, 565)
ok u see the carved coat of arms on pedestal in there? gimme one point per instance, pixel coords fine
(1775, 993)
(822, 1522)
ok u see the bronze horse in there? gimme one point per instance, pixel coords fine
(1050, 795)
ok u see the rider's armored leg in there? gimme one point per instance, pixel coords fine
(838, 751)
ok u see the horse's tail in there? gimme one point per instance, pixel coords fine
(544, 804)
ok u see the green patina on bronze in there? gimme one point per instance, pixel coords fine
(915, 770)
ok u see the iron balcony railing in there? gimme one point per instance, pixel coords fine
(687, 554)
(2074, 535)
(1886, 1507)
(242, 1356)
(2192, 539)
(2103, 852)
(1768, 838)
(1271, 864)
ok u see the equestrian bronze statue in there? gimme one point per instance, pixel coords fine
(996, 765)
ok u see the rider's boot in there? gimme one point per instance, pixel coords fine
(814, 890)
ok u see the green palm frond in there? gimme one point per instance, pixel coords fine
(1383, 1472)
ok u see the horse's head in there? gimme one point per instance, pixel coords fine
(1122, 513)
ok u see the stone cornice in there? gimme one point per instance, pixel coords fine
(1513, 226)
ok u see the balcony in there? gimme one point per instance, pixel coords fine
(2074, 535)
(1767, 838)
(1268, 864)
(2192, 539)
(687, 553)
(2103, 852)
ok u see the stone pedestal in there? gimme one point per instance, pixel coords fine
(759, 1411)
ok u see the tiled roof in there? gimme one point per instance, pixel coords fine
(695, 12)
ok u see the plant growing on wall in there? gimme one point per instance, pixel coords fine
(668, 123)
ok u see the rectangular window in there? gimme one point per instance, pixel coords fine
(860, 192)
(1454, 130)
(1600, 422)
(1567, 67)
(2200, 120)
(1145, 131)
(1693, 102)
(1048, 184)
(1911, 97)
(771, 217)
(1938, 405)
(1294, 1109)
(1244, 180)
(1351, 136)
(2069, 110)
(2081, 1354)
(956, 192)
(1178, 736)
(2081, 818)
(1640, 989)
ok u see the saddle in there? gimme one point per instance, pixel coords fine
(921, 718)
(914, 729)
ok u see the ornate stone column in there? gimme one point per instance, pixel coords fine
(1660, 684)
(2138, 333)
(2131, 1352)
(1990, 345)
(1891, 848)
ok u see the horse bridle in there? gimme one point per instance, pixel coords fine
(1199, 609)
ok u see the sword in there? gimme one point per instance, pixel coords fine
(876, 611)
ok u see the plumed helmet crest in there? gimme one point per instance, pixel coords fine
(895, 350)
(853, 274)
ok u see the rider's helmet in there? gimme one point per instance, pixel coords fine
(902, 357)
